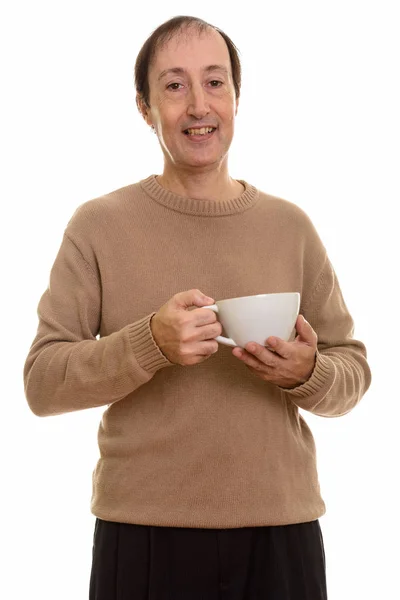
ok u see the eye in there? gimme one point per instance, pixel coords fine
(219, 83)
(169, 87)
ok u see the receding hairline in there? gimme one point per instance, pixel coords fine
(201, 28)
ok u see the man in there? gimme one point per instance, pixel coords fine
(207, 484)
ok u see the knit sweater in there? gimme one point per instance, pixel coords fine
(209, 445)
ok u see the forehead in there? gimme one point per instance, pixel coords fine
(191, 50)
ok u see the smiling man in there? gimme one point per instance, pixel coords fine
(206, 485)
(192, 104)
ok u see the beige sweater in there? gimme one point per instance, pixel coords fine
(209, 445)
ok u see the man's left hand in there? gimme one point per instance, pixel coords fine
(286, 364)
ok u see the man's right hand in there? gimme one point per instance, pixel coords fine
(186, 337)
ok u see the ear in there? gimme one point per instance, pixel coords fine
(143, 109)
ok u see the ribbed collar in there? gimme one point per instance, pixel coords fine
(204, 208)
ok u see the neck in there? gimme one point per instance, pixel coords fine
(212, 185)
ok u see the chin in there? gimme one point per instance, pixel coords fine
(200, 161)
(201, 164)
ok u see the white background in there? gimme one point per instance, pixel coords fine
(318, 124)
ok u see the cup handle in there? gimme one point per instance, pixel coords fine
(220, 338)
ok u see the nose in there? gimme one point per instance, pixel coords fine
(198, 104)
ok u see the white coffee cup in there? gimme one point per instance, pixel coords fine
(256, 318)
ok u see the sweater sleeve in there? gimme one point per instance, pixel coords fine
(68, 368)
(341, 374)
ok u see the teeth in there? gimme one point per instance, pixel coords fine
(201, 131)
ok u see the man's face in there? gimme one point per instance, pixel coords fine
(191, 86)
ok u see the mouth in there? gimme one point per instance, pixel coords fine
(199, 134)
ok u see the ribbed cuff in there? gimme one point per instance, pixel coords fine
(318, 385)
(145, 349)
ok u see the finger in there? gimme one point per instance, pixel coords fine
(263, 355)
(203, 316)
(191, 298)
(209, 332)
(284, 349)
(305, 331)
(249, 359)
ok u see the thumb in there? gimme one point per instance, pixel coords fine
(192, 298)
(306, 333)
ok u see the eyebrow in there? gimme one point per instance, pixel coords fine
(182, 71)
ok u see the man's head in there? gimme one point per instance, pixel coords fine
(187, 76)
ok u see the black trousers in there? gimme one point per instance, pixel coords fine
(138, 562)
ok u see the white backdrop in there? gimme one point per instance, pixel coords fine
(318, 124)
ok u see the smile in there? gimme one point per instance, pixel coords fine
(199, 135)
(201, 131)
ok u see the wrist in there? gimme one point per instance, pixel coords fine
(155, 333)
(153, 328)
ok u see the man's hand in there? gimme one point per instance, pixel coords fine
(287, 364)
(185, 336)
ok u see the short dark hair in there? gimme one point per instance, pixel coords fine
(163, 34)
